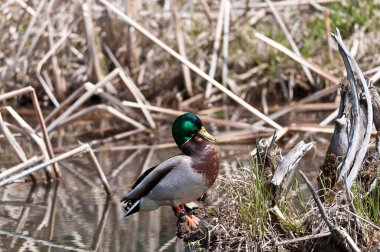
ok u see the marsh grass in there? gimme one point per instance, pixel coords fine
(367, 204)
(252, 218)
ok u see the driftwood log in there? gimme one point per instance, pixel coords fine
(359, 109)
(349, 147)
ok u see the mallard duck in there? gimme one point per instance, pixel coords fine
(180, 179)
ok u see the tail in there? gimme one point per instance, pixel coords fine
(132, 206)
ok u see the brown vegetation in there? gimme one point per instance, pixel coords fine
(121, 59)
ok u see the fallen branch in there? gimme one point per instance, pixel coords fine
(304, 238)
(338, 233)
(37, 110)
(85, 148)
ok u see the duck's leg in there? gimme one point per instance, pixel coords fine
(192, 221)
(179, 210)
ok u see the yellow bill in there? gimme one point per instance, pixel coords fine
(203, 132)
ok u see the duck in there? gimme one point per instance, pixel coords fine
(182, 178)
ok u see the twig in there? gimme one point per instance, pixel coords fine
(111, 99)
(26, 7)
(287, 3)
(317, 201)
(20, 166)
(28, 32)
(181, 47)
(297, 58)
(190, 65)
(116, 137)
(60, 83)
(290, 39)
(94, 51)
(98, 236)
(82, 99)
(36, 38)
(178, 113)
(264, 103)
(315, 128)
(43, 61)
(226, 35)
(120, 167)
(85, 148)
(44, 242)
(340, 233)
(103, 107)
(241, 136)
(207, 11)
(215, 49)
(148, 158)
(363, 219)
(138, 96)
(67, 101)
(311, 127)
(327, 16)
(33, 135)
(310, 98)
(12, 141)
(134, 147)
(197, 97)
(304, 238)
(331, 117)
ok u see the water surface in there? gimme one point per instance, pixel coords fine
(76, 214)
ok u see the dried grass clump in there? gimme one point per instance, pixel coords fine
(239, 226)
(247, 217)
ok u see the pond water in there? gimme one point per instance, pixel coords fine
(75, 213)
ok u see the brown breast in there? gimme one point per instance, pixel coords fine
(204, 156)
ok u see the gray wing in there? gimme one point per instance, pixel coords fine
(155, 176)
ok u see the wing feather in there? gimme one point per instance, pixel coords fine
(153, 176)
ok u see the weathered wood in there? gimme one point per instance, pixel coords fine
(290, 161)
(283, 176)
(351, 137)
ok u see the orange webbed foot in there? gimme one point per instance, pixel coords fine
(192, 221)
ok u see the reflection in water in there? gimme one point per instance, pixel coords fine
(76, 215)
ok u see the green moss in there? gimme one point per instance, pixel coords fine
(355, 12)
(196, 28)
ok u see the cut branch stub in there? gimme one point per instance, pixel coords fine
(352, 133)
(288, 163)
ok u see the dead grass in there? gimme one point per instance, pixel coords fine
(247, 218)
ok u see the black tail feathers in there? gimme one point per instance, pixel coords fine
(132, 206)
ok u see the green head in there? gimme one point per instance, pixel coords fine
(186, 126)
